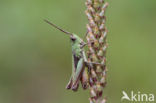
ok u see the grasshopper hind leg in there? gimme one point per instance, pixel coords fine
(84, 79)
(69, 85)
(78, 74)
(75, 87)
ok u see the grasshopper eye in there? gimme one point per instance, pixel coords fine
(73, 38)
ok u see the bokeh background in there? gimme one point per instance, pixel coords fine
(35, 59)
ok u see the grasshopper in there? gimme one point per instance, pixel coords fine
(79, 61)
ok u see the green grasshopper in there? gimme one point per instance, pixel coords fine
(79, 61)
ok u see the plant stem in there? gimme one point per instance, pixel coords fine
(97, 45)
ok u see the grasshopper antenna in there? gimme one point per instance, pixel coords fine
(57, 27)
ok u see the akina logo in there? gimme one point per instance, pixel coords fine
(137, 97)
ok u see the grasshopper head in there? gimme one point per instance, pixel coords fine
(76, 40)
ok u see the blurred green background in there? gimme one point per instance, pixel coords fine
(35, 59)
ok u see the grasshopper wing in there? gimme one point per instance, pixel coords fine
(79, 68)
(72, 81)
